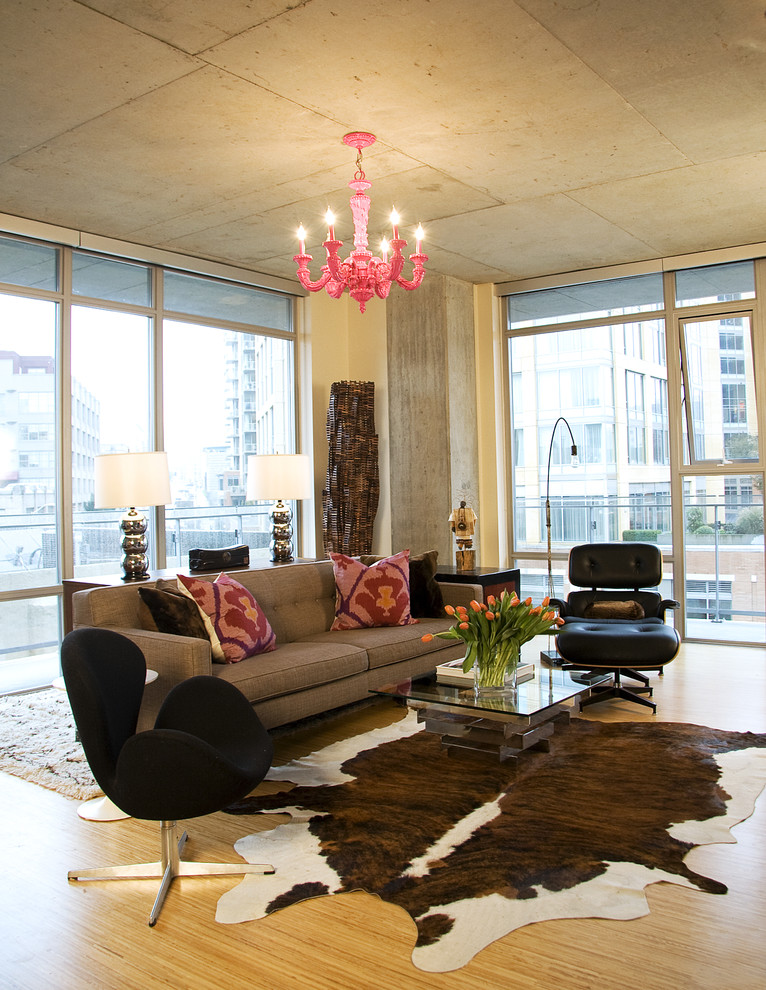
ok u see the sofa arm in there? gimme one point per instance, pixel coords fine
(457, 593)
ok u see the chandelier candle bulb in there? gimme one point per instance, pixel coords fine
(395, 224)
(330, 218)
(302, 239)
(419, 235)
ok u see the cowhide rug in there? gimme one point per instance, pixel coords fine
(472, 850)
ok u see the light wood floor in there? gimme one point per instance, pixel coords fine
(66, 936)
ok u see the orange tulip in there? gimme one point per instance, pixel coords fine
(536, 610)
(491, 600)
(545, 601)
(449, 609)
(461, 610)
(475, 606)
(426, 638)
(559, 621)
(463, 625)
(491, 616)
(528, 601)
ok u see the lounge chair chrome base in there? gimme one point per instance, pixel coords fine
(170, 866)
(601, 692)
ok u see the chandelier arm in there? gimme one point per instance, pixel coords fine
(304, 275)
(418, 272)
(333, 261)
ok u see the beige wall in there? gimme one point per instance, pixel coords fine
(338, 343)
(451, 336)
(491, 427)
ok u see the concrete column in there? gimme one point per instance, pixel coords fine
(432, 413)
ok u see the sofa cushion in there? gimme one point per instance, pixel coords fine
(426, 599)
(368, 597)
(239, 623)
(295, 667)
(390, 644)
(173, 612)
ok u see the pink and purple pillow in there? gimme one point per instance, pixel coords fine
(238, 621)
(378, 595)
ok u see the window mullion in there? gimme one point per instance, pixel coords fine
(64, 385)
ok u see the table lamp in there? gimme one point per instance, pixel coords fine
(282, 477)
(128, 480)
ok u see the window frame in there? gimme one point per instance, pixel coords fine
(64, 299)
(670, 318)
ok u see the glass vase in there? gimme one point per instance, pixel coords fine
(494, 671)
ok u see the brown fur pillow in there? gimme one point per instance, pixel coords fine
(173, 613)
(614, 610)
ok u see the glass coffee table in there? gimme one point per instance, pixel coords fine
(504, 725)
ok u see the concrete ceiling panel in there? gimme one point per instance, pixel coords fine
(529, 136)
(703, 207)
(205, 138)
(496, 102)
(191, 25)
(62, 65)
(683, 66)
(501, 237)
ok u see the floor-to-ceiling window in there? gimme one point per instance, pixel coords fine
(98, 355)
(655, 377)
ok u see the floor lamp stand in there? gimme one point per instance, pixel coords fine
(551, 656)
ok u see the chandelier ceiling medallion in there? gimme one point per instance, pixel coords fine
(362, 273)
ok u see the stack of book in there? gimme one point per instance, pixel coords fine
(452, 673)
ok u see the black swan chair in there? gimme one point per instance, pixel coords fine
(609, 629)
(207, 749)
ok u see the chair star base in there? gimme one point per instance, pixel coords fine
(168, 868)
(601, 692)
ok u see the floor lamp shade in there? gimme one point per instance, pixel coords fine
(279, 477)
(126, 481)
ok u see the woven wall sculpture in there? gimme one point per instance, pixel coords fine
(350, 498)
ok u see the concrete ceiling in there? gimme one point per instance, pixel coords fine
(528, 136)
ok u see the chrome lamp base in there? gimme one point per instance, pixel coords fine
(281, 545)
(135, 562)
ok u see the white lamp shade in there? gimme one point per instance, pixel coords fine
(275, 476)
(127, 480)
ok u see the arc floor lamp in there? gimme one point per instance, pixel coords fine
(551, 655)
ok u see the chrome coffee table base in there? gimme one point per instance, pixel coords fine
(506, 737)
(505, 725)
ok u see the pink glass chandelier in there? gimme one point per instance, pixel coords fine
(364, 275)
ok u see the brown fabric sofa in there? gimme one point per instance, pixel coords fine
(312, 669)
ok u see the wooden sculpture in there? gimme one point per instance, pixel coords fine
(350, 498)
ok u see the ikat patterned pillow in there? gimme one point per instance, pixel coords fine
(378, 595)
(239, 622)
